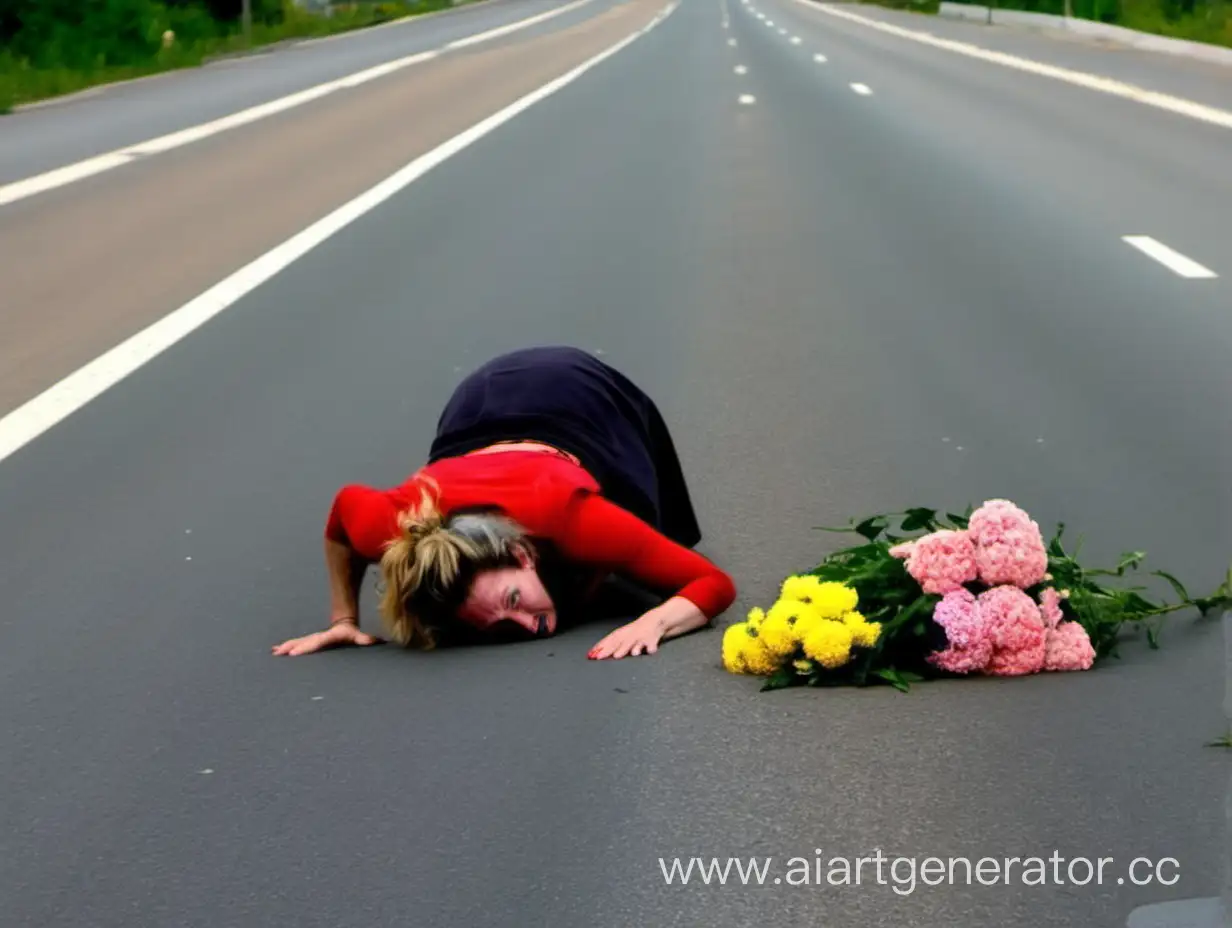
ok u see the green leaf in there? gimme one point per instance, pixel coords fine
(920, 519)
(1177, 586)
(1152, 638)
(780, 679)
(894, 678)
(958, 521)
(871, 528)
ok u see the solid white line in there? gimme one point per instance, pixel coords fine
(1178, 105)
(27, 422)
(59, 177)
(747, 99)
(820, 59)
(514, 27)
(862, 89)
(1173, 260)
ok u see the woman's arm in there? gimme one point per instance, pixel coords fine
(598, 532)
(357, 513)
(346, 571)
(677, 616)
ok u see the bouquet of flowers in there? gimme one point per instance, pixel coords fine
(978, 593)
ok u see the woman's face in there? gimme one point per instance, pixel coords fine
(510, 598)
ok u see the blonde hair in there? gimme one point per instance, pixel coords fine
(428, 569)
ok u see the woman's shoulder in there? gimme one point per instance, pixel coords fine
(531, 487)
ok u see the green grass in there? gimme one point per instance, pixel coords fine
(1193, 20)
(21, 82)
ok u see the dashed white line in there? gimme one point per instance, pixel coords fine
(782, 31)
(747, 99)
(30, 420)
(820, 59)
(741, 69)
(89, 167)
(862, 89)
(731, 42)
(1178, 105)
(796, 40)
(1170, 258)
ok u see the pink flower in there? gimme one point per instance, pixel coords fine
(1050, 607)
(941, 562)
(1017, 629)
(1068, 647)
(970, 644)
(1009, 548)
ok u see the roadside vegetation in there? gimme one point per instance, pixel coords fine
(53, 47)
(1195, 20)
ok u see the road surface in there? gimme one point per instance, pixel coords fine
(858, 272)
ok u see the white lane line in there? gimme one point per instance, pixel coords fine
(782, 31)
(862, 89)
(400, 21)
(514, 27)
(731, 42)
(1163, 101)
(747, 99)
(796, 40)
(1173, 260)
(820, 59)
(741, 69)
(60, 177)
(32, 419)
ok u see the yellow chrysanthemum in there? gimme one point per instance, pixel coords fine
(757, 615)
(778, 631)
(803, 666)
(864, 634)
(757, 658)
(829, 643)
(802, 588)
(734, 640)
(834, 600)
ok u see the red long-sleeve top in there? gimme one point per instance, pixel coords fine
(553, 499)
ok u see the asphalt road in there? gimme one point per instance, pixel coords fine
(845, 302)
(63, 130)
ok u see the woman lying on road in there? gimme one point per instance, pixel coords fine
(550, 470)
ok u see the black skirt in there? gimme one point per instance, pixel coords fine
(568, 398)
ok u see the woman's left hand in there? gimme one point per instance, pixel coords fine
(641, 636)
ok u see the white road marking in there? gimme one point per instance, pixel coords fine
(796, 40)
(820, 59)
(863, 89)
(53, 405)
(782, 31)
(731, 42)
(60, 177)
(1173, 260)
(741, 69)
(401, 20)
(514, 27)
(748, 99)
(1178, 105)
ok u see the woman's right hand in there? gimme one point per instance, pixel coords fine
(338, 635)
